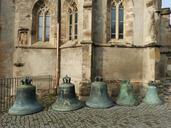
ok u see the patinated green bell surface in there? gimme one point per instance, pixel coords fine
(67, 100)
(99, 97)
(126, 95)
(151, 96)
(26, 102)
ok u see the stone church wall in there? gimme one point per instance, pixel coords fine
(165, 29)
(36, 62)
(7, 15)
(136, 64)
(38, 58)
(118, 63)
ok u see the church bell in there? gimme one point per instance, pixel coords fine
(66, 100)
(126, 96)
(151, 96)
(99, 97)
(26, 102)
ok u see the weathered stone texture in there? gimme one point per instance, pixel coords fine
(151, 21)
(165, 30)
(118, 63)
(7, 15)
(149, 61)
(129, 21)
(35, 62)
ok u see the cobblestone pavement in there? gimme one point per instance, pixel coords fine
(142, 116)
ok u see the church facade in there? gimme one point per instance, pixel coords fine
(115, 39)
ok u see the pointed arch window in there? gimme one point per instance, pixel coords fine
(73, 23)
(117, 20)
(41, 22)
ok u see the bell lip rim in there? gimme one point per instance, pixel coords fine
(24, 114)
(97, 107)
(128, 105)
(74, 109)
(152, 104)
(110, 104)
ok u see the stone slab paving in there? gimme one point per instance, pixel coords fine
(142, 116)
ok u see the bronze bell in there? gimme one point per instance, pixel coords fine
(99, 97)
(26, 102)
(126, 95)
(151, 96)
(66, 100)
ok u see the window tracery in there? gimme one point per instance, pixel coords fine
(73, 21)
(42, 21)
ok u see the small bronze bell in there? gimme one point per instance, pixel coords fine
(66, 100)
(26, 102)
(151, 96)
(99, 97)
(126, 96)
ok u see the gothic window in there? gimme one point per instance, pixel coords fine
(117, 20)
(41, 23)
(73, 23)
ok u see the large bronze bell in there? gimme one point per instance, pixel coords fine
(151, 96)
(126, 96)
(66, 100)
(26, 102)
(99, 97)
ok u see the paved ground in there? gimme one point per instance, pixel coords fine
(142, 116)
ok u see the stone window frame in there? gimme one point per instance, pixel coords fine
(72, 12)
(117, 4)
(46, 6)
(67, 6)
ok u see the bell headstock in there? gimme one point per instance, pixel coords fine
(26, 81)
(67, 79)
(98, 78)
